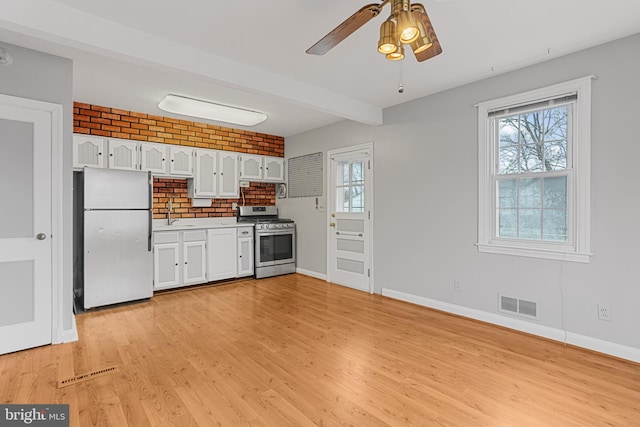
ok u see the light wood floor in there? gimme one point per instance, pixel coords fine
(296, 351)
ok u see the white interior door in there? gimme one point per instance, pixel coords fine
(350, 200)
(25, 229)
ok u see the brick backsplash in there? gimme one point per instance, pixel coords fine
(114, 123)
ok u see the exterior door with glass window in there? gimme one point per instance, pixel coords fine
(25, 226)
(349, 222)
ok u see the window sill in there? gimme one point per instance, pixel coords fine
(553, 254)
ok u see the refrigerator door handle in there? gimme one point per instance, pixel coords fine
(150, 206)
(150, 243)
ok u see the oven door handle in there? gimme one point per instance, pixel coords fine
(274, 232)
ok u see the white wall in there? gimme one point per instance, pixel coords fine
(49, 78)
(426, 200)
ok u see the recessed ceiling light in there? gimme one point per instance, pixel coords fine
(210, 110)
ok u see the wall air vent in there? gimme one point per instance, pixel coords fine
(517, 306)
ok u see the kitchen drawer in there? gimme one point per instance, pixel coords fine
(160, 237)
(194, 235)
(245, 231)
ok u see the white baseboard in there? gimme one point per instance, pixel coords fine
(311, 273)
(584, 341)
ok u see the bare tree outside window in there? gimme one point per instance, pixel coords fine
(350, 185)
(532, 180)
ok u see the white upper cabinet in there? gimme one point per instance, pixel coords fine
(250, 167)
(205, 175)
(228, 185)
(273, 169)
(167, 160)
(215, 175)
(261, 168)
(123, 154)
(180, 160)
(88, 151)
(153, 157)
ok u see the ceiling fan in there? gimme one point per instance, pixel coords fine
(408, 24)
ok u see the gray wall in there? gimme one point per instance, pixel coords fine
(49, 78)
(426, 160)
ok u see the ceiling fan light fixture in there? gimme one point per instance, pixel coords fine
(407, 27)
(423, 42)
(407, 24)
(210, 110)
(388, 37)
(397, 55)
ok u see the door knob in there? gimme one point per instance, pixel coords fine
(41, 236)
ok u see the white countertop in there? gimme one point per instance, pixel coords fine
(191, 223)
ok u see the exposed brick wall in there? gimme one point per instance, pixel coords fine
(114, 123)
(176, 189)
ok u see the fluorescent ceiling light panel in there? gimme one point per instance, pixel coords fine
(211, 111)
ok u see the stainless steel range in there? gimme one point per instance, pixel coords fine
(275, 240)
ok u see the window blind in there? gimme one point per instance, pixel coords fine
(538, 105)
(305, 175)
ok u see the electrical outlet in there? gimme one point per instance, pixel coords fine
(604, 312)
(234, 206)
(457, 285)
(245, 184)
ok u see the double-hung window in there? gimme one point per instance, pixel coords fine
(534, 168)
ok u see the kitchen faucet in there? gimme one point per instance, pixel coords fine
(169, 208)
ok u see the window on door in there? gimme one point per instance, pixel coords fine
(350, 189)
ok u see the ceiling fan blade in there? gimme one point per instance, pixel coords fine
(420, 13)
(344, 30)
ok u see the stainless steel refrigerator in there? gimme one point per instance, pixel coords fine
(113, 258)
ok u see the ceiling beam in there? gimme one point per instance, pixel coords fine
(54, 22)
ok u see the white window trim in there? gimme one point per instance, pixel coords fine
(579, 250)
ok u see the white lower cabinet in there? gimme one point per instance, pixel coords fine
(191, 257)
(245, 251)
(180, 258)
(194, 257)
(166, 265)
(222, 253)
